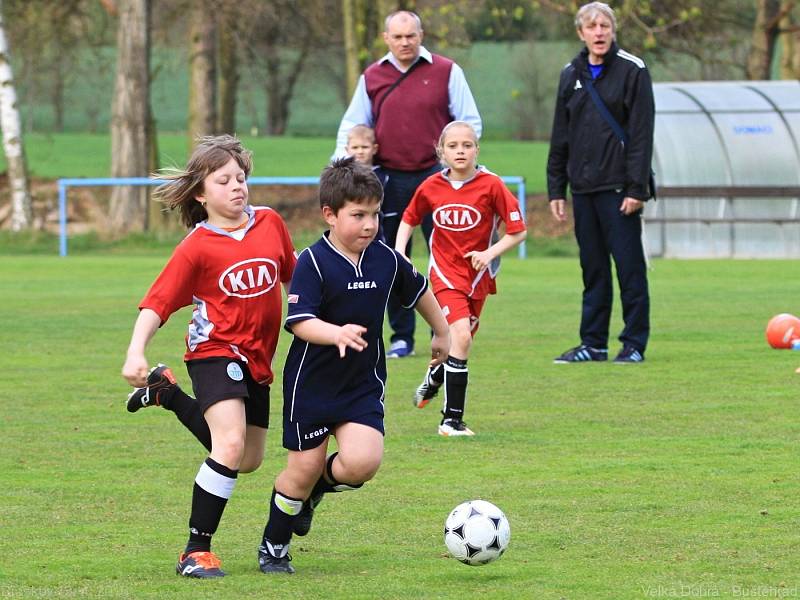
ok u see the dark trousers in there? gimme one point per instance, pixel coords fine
(602, 232)
(399, 189)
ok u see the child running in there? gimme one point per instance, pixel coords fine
(334, 379)
(467, 202)
(229, 267)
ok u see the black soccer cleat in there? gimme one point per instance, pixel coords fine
(273, 564)
(426, 391)
(302, 522)
(159, 380)
(582, 353)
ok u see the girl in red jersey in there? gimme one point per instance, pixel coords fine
(467, 203)
(230, 267)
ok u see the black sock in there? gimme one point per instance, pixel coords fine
(188, 411)
(456, 377)
(212, 487)
(164, 395)
(278, 533)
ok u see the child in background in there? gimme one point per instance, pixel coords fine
(467, 203)
(230, 267)
(334, 379)
(362, 146)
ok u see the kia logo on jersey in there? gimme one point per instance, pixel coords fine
(249, 278)
(456, 217)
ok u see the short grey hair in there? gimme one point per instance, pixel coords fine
(588, 12)
(391, 16)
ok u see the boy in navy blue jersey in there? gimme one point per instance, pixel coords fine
(334, 379)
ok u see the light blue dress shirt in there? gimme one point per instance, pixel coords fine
(462, 105)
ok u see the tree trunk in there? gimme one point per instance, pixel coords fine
(351, 61)
(279, 93)
(57, 92)
(130, 116)
(228, 75)
(202, 73)
(21, 213)
(796, 55)
(276, 116)
(788, 41)
(374, 15)
(762, 47)
(158, 219)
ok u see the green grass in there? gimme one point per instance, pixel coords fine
(619, 482)
(160, 243)
(52, 156)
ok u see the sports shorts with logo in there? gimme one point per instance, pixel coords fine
(215, 379)
(305, 436)
(457, 305)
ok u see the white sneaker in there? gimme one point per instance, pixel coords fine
(399, 349)
(454, 427)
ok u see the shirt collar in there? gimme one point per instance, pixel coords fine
(423, 53)
(251, 217)
(446, 175)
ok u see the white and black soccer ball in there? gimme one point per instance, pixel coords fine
(476, 532)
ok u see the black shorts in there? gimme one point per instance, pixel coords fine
(215, 379)
(299, 435)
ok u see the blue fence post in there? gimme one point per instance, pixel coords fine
(62, 218)
(522, 251)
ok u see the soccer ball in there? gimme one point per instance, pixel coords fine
(476, 532)
(782, 330)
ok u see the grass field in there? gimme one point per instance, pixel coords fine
(51, 156)
(674, 478)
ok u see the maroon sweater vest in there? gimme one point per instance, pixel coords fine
(413, 114)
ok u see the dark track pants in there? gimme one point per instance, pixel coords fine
(400, 187)
(602, 232)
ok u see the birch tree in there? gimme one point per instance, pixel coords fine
(21, 213)
(130, 115)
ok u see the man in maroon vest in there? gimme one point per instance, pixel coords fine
(407, 97)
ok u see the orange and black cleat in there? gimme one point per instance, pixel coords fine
(426, 391)
(159, 380)
(203, 565)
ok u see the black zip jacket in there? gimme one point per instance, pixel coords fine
(584, 150)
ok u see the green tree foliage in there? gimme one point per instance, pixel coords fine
(516, 20)
(48, 37)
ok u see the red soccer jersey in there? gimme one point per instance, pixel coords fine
(233, 279)
(464, 219)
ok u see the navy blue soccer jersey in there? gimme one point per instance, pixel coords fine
(318, 385)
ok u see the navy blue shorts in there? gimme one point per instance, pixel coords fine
(298, 435)
(215, 379)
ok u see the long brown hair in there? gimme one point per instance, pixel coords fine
(184, 185)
